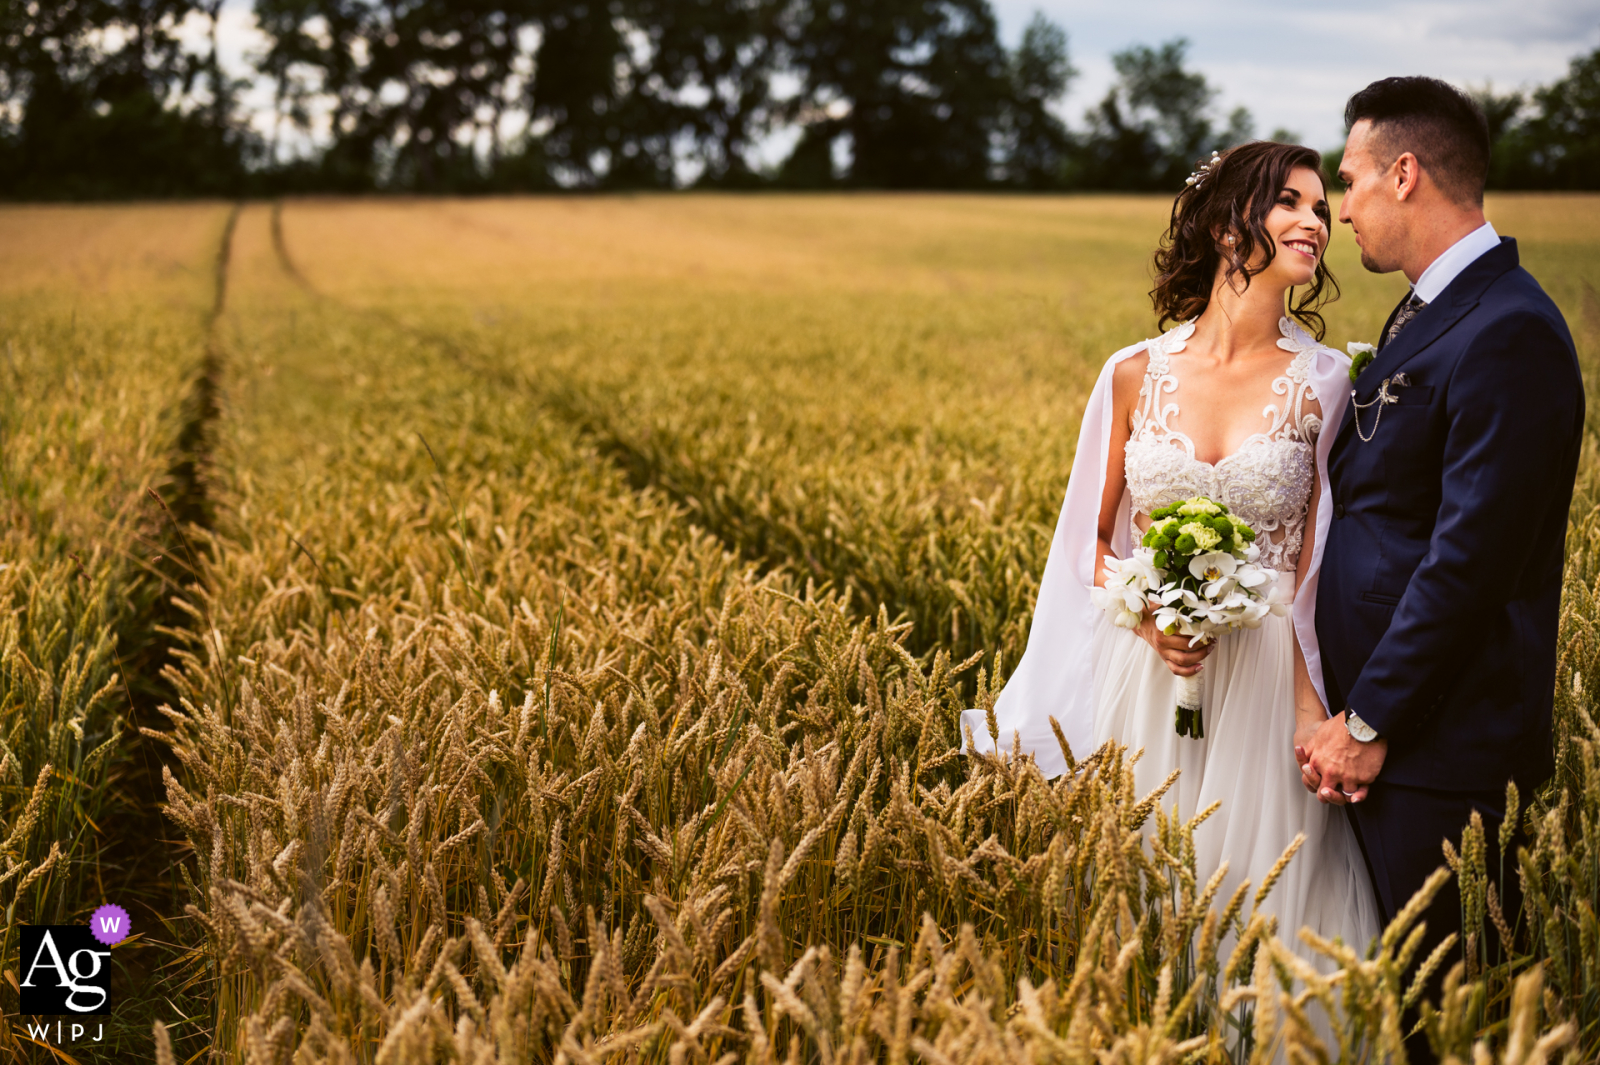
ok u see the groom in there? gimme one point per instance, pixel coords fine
(1451, 475)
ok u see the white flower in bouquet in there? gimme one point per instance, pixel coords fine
(1195, 570)
(1278, 602)
(1127, 589)
(1216, 569)
(1251, 576)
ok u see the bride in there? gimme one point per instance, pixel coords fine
(1229, 404)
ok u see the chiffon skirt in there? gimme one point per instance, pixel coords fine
(1246, 760)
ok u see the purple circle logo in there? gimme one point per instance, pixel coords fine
(110, 924)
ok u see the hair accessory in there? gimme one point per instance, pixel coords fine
(1199, 176)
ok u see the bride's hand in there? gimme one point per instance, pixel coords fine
(1175, 651)
(1303, 735)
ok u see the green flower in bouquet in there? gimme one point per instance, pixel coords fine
(1204, 536)
(1181, 531)
(1200, 507)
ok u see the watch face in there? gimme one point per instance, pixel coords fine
(1359, 729)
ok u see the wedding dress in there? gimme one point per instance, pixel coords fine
(1106, 683)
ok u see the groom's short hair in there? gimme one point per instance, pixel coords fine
(1438, 123)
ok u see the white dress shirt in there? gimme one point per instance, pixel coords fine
(1460, 255)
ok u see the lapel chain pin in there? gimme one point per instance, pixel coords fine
(1381, 400)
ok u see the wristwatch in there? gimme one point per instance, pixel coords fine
(1359, 730)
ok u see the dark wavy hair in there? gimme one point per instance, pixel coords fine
(1435, 121)
(1235, 197)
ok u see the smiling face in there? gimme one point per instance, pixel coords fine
(1370, 206)
(1298, 226)
(1259, 216)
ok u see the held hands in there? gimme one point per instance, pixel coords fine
(1335, 766)
(1175, 651)
(1304, 733)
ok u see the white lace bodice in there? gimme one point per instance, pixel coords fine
(1267, 481)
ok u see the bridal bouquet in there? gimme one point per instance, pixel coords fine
(1196, 567)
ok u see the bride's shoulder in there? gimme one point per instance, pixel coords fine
(1128, 369)
(1139, 355)
(1131, 367)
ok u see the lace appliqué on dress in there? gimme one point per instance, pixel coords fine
(1267, 480)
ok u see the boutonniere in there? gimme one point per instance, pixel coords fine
(1361, 356)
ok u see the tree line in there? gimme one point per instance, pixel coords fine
(125, 98)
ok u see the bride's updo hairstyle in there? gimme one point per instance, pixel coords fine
(1233, 196)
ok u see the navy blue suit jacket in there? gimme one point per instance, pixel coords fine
(1440, 587)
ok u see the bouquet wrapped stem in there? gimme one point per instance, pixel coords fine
(1187, 718)
(1195, 571)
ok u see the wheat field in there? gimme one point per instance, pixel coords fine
(533, 630)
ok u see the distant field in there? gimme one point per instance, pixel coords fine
(565, 605)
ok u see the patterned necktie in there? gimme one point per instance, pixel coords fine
(1408, 310)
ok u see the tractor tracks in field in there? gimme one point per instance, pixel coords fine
(743, 529)
(468, 360)
(645, 469)
(140, 855)
(188, 474)
(771, 542)
(180, 510)
(569, 406)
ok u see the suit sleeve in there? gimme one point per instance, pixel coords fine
(1513, 407)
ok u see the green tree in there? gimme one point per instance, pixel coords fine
(580, 96)
(88, 87)
(1557, 145)
(709, 78)
(312, 59)
(1154, 123)
(810, 164)
(616, 93)
(1038, 144)
(418, 89)
(920, 88)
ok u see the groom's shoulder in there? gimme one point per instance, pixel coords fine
(1517, 295)
(1515, 327)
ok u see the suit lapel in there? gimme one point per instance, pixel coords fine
(1431, 323)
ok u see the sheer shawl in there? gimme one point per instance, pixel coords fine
(1055, 677)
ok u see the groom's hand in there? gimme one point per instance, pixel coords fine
(1340, 768)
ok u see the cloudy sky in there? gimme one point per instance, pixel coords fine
(1294, 64)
